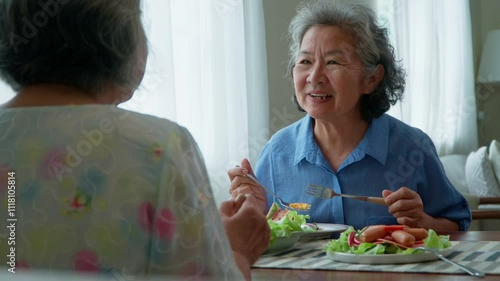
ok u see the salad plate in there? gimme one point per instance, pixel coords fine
(283, 243)
(286, 228)
(388, 258)
(323, 231)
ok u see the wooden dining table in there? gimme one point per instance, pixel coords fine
(265, 274)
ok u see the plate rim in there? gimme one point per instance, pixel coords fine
(323, 232)
(330, 224)
(295, 236)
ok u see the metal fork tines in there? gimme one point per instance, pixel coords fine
(327, 193)
(319, 191)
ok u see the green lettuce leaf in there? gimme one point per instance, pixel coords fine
(437, 241)
(293, 221)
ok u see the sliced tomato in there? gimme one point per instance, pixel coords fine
(279, 215)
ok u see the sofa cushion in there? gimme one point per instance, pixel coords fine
(494, 156)
(454, 167)
(479, 175)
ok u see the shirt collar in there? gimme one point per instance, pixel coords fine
(375, 142)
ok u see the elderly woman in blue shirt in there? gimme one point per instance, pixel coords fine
(346, 77)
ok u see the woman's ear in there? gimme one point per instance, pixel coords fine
(374, 79)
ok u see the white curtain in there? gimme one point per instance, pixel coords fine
(207, 71)
(433, 39)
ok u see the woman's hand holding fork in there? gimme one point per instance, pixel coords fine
(241, 184)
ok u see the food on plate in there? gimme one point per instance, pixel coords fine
(300, 206)
(403, 237)
(418, 233)
(399, 233)
(275, 212)
(284, 222)
(387, 239)
(372, 233)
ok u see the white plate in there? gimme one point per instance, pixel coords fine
(324, 232)
(387, 258)
(283, 243)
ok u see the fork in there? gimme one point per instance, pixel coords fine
(470, 270)
(282, 203)
(327, 193)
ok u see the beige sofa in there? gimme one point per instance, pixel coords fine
(485, 210)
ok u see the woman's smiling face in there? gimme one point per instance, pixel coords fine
(329, 76)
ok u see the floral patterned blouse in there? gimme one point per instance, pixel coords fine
(102, 189)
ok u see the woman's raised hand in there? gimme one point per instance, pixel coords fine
(241, 184)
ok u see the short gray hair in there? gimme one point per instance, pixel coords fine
(371, 43)
(79, 43)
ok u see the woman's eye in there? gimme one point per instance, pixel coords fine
(332, 62)
(304, 62)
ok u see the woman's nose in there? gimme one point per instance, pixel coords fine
(317, 75)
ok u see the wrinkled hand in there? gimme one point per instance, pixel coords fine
(246, 227)
(241, 184)
(406, 206)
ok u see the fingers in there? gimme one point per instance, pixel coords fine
(230, 207)
(240, 181)
(247, 229)
(246, 164)
(405, 205)
(236, 171)
(410, 213)
(410, 222)
(241, 184)
(226, 207)
(411, 218)
(402, 193)
(237, 176)
(238, 202)
(242, 170)
(252, 202)
(240, 199)
(238, 189)
(386, 193)
(248, 206)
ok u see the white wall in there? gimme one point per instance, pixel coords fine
(277, 16)
(484, 17)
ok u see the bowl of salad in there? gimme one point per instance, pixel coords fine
(286, 227)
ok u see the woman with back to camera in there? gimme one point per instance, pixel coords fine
(346, 77)
(101, 188)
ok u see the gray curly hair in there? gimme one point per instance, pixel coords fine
(79, 43)
(371, 42)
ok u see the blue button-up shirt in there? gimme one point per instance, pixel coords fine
(392, 154)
